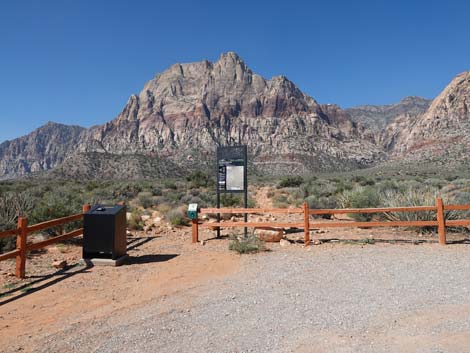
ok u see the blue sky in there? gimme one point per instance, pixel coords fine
(78, 61)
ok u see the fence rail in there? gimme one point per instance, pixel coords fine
(441, 223)
(22, 231)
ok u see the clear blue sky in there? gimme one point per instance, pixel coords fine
(78, 61)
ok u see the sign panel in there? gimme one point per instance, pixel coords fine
(235, 177)
(231, 168)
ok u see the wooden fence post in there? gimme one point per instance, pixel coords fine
(21, 246)
(441, 227)
(195, 230)
(306, 224)
(86, 207)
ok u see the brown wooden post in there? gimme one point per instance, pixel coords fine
(441, 227)
(21, 246)
(195, 230)
(306, 224)
(86, 208)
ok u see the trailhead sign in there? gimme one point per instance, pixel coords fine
(232, 162)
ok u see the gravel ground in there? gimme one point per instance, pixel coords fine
(329, 298)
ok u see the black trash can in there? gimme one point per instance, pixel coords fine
(104, 232)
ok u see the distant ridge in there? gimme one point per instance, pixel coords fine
(174, 124)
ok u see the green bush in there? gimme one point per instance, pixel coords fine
(157, 191)
(361, 197)
(170, 184)
(177, 217)
(145, 199)
(198, 179)
(413, 197)
(135, 221)
(291, 181)
(231, 200)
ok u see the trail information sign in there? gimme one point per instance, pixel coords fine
(232, 165)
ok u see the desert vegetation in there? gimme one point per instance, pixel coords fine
(42, 200)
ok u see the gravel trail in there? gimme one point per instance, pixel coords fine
(330, 298)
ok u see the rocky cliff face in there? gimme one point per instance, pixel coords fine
(442, 133)
(43, 149)
(185, 112)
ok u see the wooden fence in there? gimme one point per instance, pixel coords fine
(440, 222)
(22, 231)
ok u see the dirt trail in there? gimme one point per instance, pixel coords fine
(262, 199)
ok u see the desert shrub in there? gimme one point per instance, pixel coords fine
(11, 206)
(157, 191)
(198, 179)
(246, 245)
(270, 194)
(231, 200)
(175, 197)
(194, 192)
(362, 197)
(367, 182)
(170, 184)
(291, 181)
(321, 202)
(56, 204)
(145, 199)
(157, 200)
(164, 207)
(125, 190)
(342, 186)
(135, 221)
(251, 203)
(177, 217)
(413, 197)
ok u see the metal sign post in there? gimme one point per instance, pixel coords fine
(232, 163)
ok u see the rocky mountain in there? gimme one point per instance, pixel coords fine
(185, 112)
(377, 117)
(43, 149)
(441, 134)
(180, 116)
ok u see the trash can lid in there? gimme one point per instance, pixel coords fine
(105, 209)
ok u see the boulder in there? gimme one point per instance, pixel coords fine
(270, 235)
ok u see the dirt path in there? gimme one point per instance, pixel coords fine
(262, 199)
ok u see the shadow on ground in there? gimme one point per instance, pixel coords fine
(35, 283)
(145, 259)
(42, 282)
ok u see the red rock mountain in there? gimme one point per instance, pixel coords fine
(181, 115)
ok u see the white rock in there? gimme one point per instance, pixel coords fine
(284, 242)
(145, 217)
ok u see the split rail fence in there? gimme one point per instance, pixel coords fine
(22, 231)
(440, 222)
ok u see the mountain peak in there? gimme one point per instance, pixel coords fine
(230, 56)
